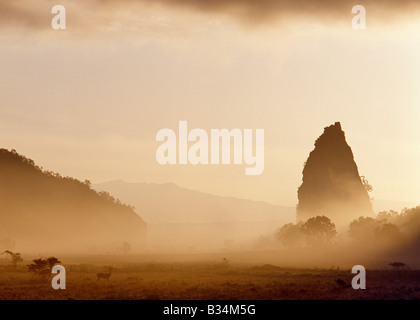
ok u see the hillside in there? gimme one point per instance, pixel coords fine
(43, 211)
(169, 203)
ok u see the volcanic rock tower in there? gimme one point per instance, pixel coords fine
(331, 185)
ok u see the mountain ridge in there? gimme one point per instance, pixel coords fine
(244, 209)
(42, 210)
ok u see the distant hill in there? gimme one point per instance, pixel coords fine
(43, 211)
(169, 203)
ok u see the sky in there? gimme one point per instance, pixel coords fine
(88, 101)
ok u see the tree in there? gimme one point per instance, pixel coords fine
(399, 266)
(52, 261)
(38, 265)
(291, 235)
(389, 233)
(363, 228)
(42, 267)
(366, 184)
(319, 231)
(16, 257)
(390, 216)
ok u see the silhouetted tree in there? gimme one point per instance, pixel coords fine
(291, 235)
(16, 257)
(399, 266)
(366, 184)
(389, 232)
(410, 219)
(52, 261)
(38, 265)
(390, 216)
(363, 228)
(379, 231)
(42, 267)
(319, 230)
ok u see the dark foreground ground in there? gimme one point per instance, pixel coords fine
(209, 281)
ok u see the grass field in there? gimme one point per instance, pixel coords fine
(209, 281)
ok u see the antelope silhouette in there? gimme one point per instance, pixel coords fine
(104, 275)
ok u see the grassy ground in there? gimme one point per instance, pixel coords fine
(209, 281)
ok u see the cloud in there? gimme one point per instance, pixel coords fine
(35, 15)
(266, 10)
(20, 13)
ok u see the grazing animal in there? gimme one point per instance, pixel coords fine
(104, 275)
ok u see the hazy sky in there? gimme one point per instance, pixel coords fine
(88, 101)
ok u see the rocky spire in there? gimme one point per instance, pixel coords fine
(331, 184)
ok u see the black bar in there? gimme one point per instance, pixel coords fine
(248, 309)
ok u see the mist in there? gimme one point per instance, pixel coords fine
(90, 110)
